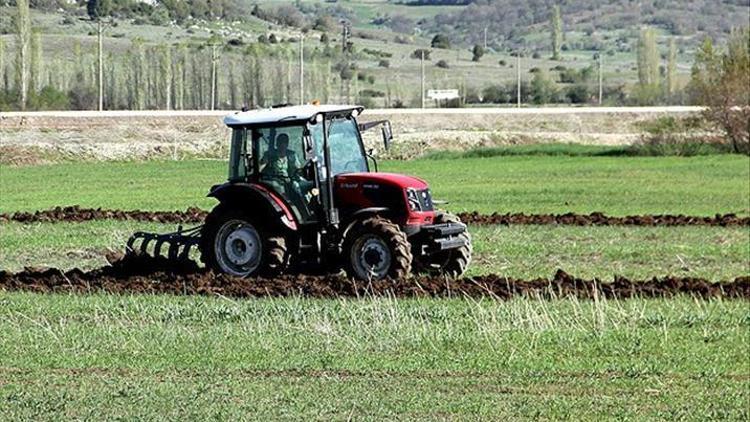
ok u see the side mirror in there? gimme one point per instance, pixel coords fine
(387, 134)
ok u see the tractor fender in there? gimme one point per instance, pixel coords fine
(255, 194)
(360, 214)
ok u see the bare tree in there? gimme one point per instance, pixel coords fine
(165, 71)
(648, 58)
(3, 75)
(36, 62)
(557, 36)
(721, 81)
(179, 77)
(23, 47)
(672, 67)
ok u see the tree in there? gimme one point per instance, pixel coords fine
(23, 45)
(36, 62)
(98, 9)
(557, 36)
(478, 52)
(647, 92)
(543, 89)
(3, 84)
(139, 75)
(672, 67)
(440, 41)
(417, 54)
(179, 77)
(165, 69)
(648, 58)
(721, 81)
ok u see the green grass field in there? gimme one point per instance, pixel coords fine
(703, 185)
(107, 357)
(165, 357)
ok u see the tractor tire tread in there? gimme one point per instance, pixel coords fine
(394, 237)
(458, 260)
(275, 258)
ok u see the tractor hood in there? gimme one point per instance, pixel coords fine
(390, 179)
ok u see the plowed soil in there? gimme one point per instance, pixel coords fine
(599, 219)
(197, 215)
(140, 274)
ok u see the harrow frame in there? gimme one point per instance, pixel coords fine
(179, 243)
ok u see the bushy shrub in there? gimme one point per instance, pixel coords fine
(417, 54)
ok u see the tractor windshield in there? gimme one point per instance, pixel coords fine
(347, 155)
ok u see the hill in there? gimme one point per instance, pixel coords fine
(256, 47)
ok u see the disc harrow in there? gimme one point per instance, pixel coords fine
(178, 243)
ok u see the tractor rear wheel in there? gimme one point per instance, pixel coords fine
(375, 249)
(451, 263)
(235, 244)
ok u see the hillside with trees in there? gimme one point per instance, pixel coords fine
(170, 54)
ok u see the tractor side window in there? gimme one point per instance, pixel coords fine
(280, 151)
(238, 157)
(346, 151)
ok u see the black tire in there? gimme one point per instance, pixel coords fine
(451, 263)
(380, 244)
(273, 256)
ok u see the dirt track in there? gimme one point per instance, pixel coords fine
(147, 275)
(196, 215)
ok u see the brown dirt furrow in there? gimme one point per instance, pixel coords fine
(141, 274)
(78, 214)
(196, 215)
(600, 219)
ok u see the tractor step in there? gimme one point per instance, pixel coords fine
(178, 243)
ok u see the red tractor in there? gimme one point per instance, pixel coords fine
(302, 194)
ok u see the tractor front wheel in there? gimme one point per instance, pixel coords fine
(377, 248)
(451, 263)
(234, 244)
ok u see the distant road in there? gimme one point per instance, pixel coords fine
(389, 111)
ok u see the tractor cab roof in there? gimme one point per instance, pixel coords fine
(288, 114)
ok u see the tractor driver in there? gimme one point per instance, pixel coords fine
(280, 168)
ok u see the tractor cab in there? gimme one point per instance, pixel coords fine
(295, 153)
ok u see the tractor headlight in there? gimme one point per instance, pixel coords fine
(412, 197)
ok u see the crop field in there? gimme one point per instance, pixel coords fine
(514, 338)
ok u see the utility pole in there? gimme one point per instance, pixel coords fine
(421, 92)
(302, 69)
(518, 78)
(345, 32)
(485, 38)
(600, 78)
(214, 59)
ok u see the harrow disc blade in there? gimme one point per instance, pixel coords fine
(140, 242)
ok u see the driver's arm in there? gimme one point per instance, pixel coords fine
(263, 164)
(296, 165)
